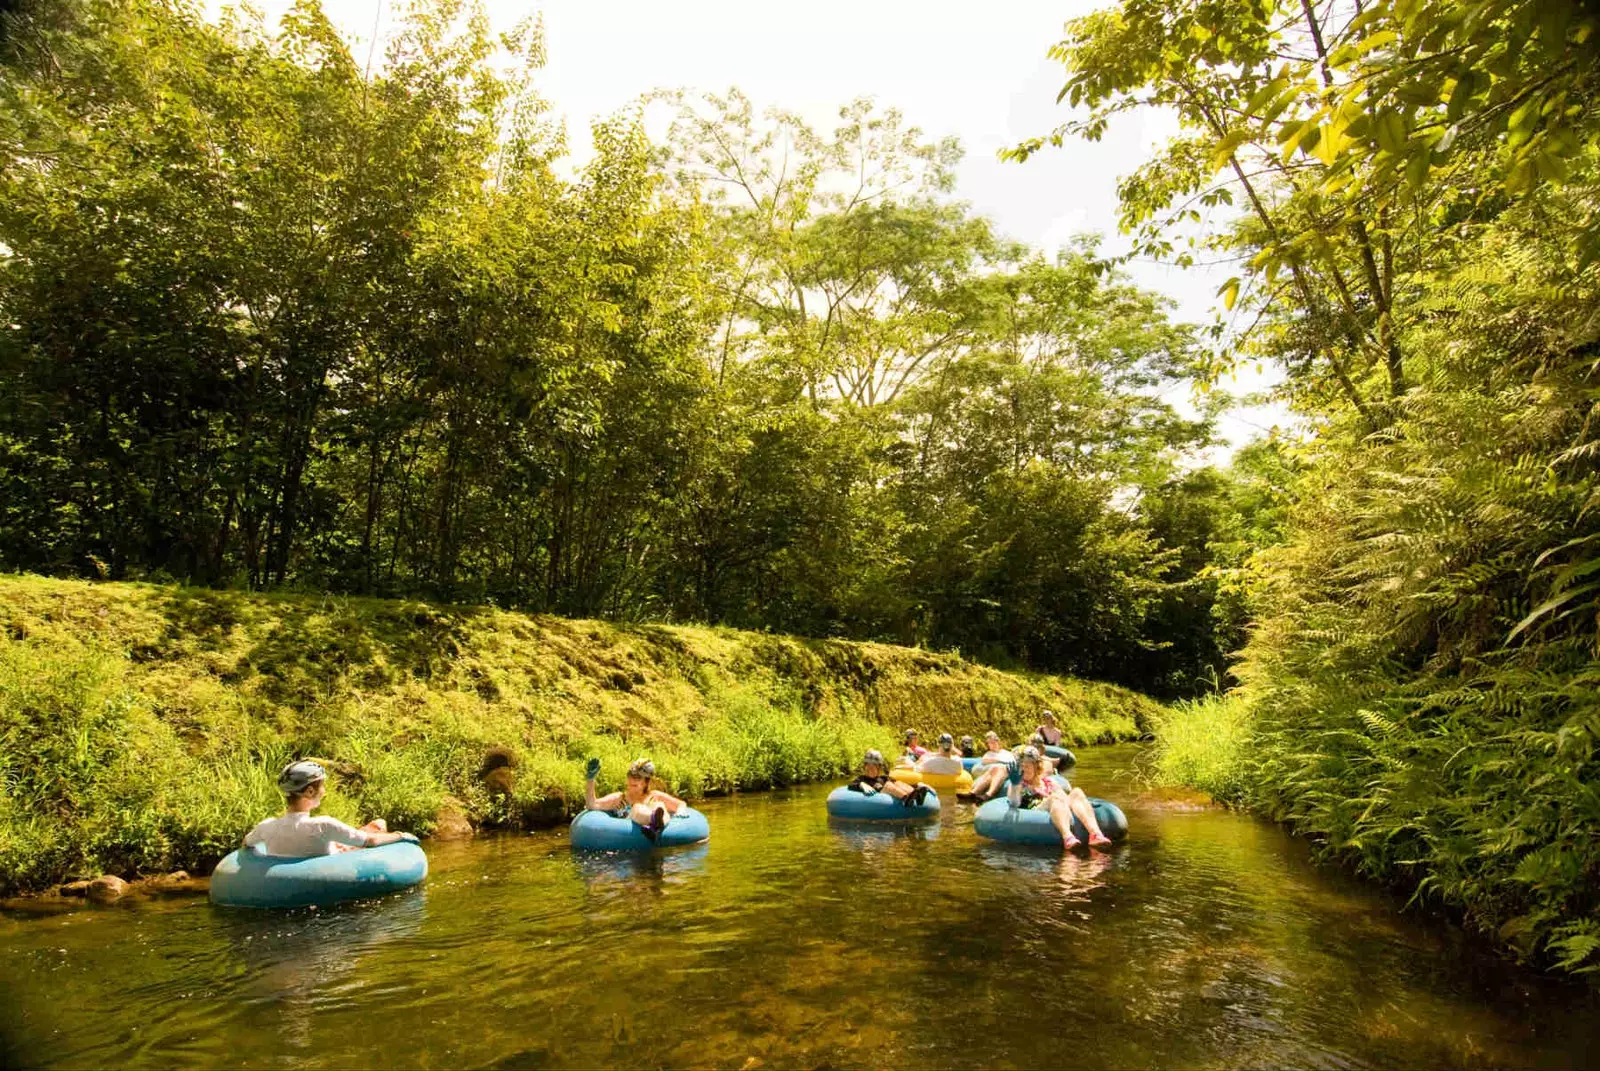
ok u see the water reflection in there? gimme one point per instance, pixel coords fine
(878, 834)
(603, 868)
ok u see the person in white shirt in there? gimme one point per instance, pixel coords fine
(990, 777)
(297, 834)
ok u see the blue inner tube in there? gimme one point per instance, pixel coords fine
(602, 831)
(971, 764)
(998, 820)
(1061, 755)
(880, 807)
(247, 878)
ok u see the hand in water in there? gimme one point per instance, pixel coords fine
(592, 770)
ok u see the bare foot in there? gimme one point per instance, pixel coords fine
(1099, 840)
(1070, 842)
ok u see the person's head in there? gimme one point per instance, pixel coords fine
(303, 784)
(1036, 741)
(991, 740)
(966, 745)
(872, 763)
(1049, 719)
(1029, 757)
(947, 743)
(911, 738)
(641, 772)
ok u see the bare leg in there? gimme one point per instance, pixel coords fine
(1080, 806)
(988, 781)
(641, 812)
(899, 789)
(1061, 818)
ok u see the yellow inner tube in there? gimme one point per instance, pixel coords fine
(910, 775)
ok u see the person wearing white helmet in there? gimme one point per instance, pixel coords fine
(647, 806)
(297, 834)
(945, 761)
(874, 778)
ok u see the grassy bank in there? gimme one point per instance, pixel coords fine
(141, 726)
(1495, 827)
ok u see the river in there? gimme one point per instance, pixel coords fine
(1207, 939)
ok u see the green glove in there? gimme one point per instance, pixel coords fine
(1015, 774)
(592, 770)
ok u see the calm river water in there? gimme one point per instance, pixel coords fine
(1206, 940)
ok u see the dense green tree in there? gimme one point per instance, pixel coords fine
(1416, 196)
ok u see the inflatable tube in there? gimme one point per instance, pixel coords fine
(248, 878)
(1062, 756)
(602, 831)
(879, 807)
(971, 763)
(957, 783)
(998, 820)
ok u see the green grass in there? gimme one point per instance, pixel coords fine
(1203, 744)
(141, 726)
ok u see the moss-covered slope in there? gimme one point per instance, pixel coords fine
(141, 725)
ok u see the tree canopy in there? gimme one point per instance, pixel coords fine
(283, 316)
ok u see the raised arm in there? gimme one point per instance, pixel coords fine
(667, 800)
(609, 802)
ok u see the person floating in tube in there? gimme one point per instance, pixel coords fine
(1030, 788)
(969, 750)
(296, 834)
(874, 778)
(648, 807)
(1049, 730)
(944, 761)
(989, 780)
(1051, 766)
(913, 749)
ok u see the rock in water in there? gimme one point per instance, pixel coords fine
(107, 888)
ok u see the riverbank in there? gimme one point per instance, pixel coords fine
(1497, 833)
(141, 726)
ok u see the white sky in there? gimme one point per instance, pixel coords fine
(974, 70)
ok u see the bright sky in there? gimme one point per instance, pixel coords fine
(974, 70)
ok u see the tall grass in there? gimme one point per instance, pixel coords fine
(1205, 743)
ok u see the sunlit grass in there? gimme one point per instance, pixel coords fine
(142, 727)
(1203, 743)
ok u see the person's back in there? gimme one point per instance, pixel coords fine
(297, 835)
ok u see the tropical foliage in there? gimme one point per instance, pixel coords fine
(1416, 241)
